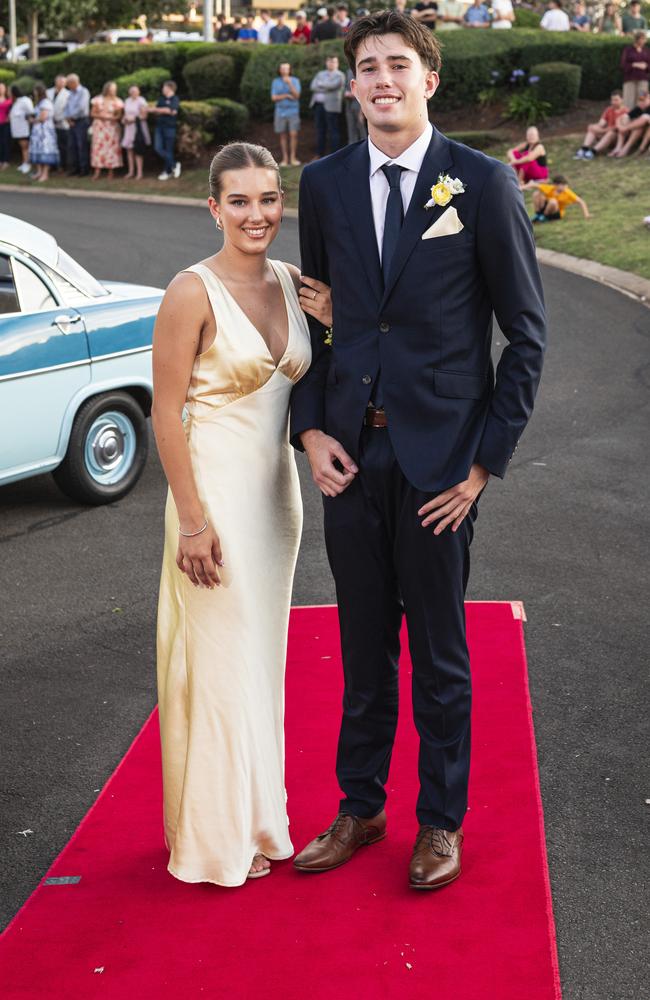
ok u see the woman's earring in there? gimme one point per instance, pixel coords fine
(218, 224)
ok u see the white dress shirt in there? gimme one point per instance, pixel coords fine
(411, 159)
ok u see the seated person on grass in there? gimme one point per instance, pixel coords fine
(631, 127)
(601, 134)
(550, 201)
(529, 158)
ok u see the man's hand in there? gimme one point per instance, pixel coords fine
(453, 506)
(322, 451)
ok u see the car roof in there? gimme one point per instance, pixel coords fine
(33, 240)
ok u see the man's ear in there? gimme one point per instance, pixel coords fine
(431, 84)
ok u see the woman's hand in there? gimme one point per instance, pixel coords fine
(316, 299)
(199, 556)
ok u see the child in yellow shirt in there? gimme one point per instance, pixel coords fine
(551, 201)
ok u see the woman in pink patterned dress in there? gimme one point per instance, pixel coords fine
(105, 149)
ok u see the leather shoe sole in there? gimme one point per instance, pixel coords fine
(434, 885)
(339, 864)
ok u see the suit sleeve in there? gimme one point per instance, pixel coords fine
(506, 250)
(308, 396)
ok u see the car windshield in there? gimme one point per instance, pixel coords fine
(79, 277)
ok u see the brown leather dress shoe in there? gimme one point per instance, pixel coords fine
(340, 841)
(436, 858)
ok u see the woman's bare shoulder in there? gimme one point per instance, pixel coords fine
(295, 274)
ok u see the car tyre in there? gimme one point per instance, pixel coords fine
(107, 450)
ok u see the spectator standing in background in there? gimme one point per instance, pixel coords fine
(302, 32)
(264, 27)
(326, 27)
(635, 66)
(503, 15)
(342, 18)
(248, 34)
(225, 32)
(327, 89)
(354, 118)
(450, 15)
(426, 12)
(5, 128)
(477, 16)
(633, 20)
(610, 22)
(601, 134)
(164, 141)
(285, 94)
(105, 146)
(580, 20)
(20, 114)
(59, 94)
(43, 148)
(77, 113)
(136, 136)
(280, 33)
(555, 18)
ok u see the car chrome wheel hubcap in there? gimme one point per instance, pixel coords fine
(110, 448)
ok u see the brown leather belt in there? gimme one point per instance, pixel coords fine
(375, 418)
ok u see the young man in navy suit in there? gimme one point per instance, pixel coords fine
(422, 241)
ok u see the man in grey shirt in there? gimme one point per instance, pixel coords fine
(327, 89)
(77, 113)
(59, 94)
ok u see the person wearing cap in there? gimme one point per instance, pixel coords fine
(326, 27)
(302, 31)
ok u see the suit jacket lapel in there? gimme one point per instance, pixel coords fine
(354, 186)
(437, 160)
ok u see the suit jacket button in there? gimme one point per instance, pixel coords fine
(384, 327)
(366, 379)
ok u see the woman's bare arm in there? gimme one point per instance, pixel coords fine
(181, 323)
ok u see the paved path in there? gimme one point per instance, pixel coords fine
(564, 533)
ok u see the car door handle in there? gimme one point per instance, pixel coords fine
(63, 321)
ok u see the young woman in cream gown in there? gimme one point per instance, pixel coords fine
(231, 340)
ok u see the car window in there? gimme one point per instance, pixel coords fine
(78, 275)
(33, 294)
(8, 296)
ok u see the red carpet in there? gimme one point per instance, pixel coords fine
(128, 929)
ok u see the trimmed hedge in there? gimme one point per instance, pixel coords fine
(559, 84)
(211, 76)
(96, 64)
(148, 80)
(218, 119)
(25, 84)
(7, 76)
(525, 18)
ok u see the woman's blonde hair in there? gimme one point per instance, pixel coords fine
(239, 156)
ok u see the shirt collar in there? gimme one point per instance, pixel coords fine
(410, 159)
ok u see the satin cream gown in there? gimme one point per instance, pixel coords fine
(221, 652)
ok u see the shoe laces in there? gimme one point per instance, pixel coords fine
(336, 827)
(437, 841)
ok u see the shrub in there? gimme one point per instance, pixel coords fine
(558, 84)
(218, 120)
(7, 76)
(96, 64)
(211, 76)
(476, 140)
(25, 84)
(526, 18)
(148, 80)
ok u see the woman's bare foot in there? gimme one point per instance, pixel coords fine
(260, 866)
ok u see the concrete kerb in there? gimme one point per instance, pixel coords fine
(623, 281)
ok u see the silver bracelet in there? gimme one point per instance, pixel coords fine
(191, 534)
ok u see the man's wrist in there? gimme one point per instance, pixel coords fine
(308, 437)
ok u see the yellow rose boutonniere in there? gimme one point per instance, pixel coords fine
(444, 190)
(328, 339)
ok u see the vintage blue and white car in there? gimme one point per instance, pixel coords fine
(75, 369)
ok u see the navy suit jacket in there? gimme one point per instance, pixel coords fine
(429, 328)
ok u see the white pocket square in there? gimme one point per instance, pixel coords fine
(447, 225)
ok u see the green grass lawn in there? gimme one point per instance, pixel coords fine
(616, 192)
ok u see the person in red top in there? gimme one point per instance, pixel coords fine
(601, 134)
(635, 66)
(302, 32)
